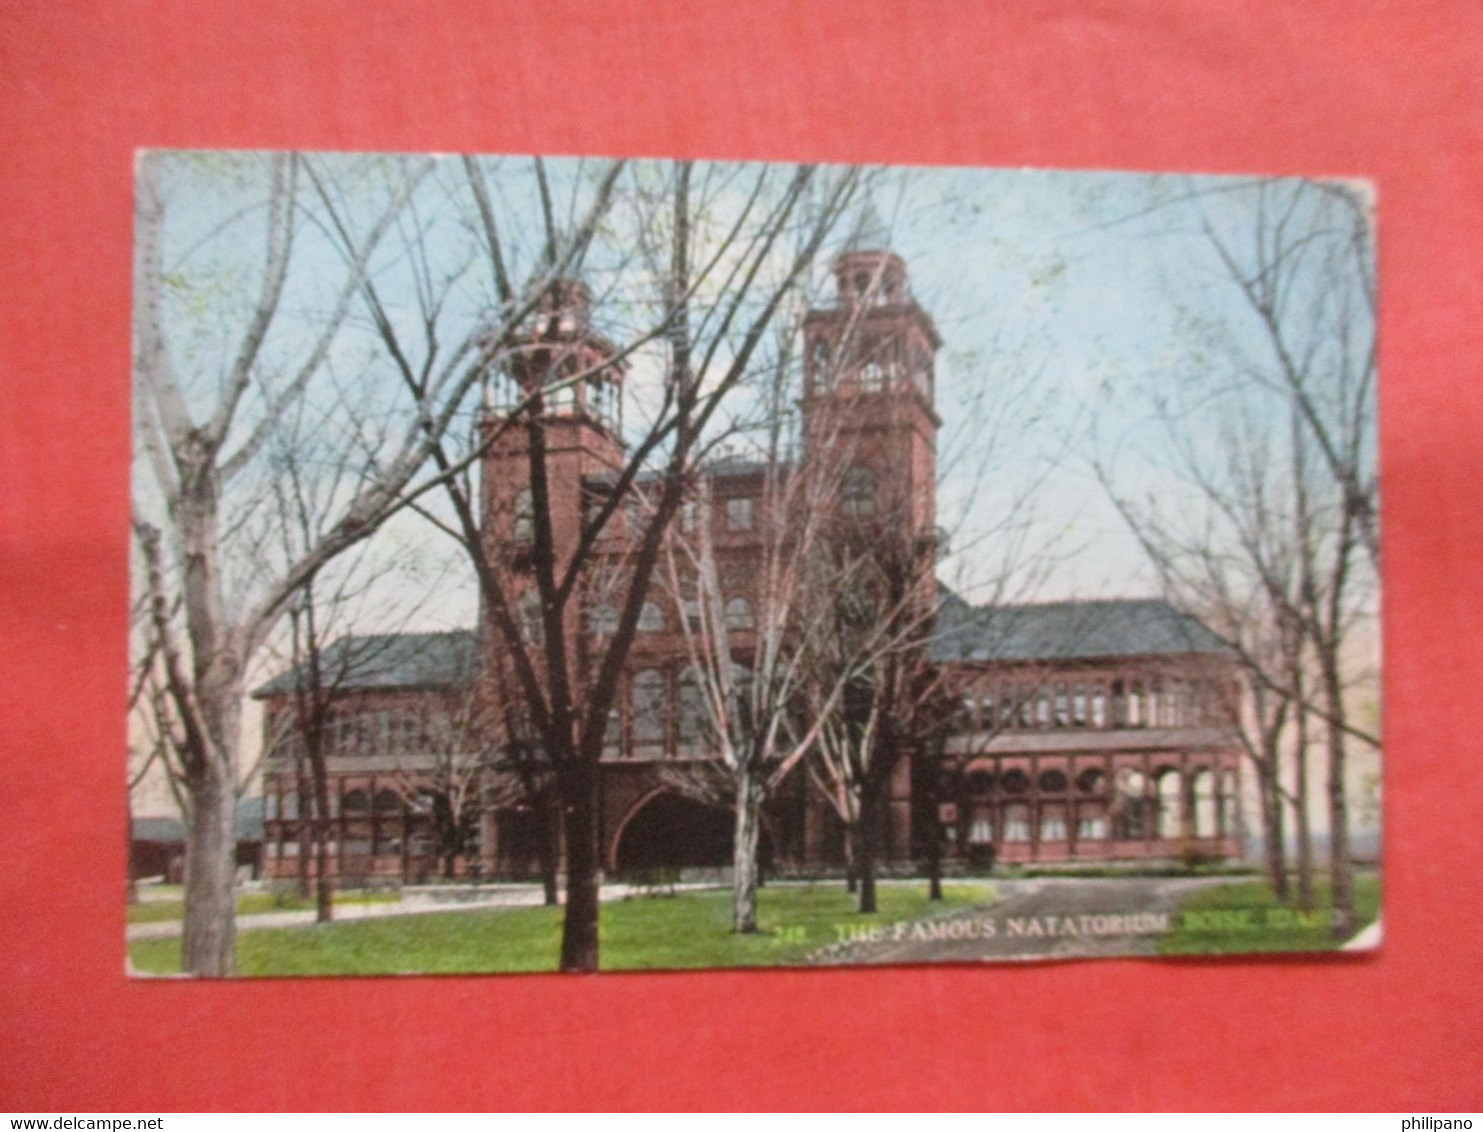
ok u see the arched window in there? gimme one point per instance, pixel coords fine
(738, 613)
(980, 782)
(1015, 782)
(1053, 782)
(872, 377)
(1170, 815)
(1227, 804)
(1203, 790)
(857, 493)
(602, 621)
(648, 707)
(1089, 781)
(692, 713)
(524, 527)
(355, 802)
(388, 802)
(1132, 805)
(651, 618)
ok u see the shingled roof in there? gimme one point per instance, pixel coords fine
(1067, 630)
(392, 660)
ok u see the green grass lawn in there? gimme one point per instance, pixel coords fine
(250, 903)
(690, 929)
(1245, 917)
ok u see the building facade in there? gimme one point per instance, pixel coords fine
(1073, 732)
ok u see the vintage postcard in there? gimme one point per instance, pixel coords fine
(584, 564)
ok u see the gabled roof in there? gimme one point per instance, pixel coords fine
(391, 660)
(1067, 630)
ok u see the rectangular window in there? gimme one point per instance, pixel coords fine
(981, 831)
(612, 736)
(648, 708)
(739, 513)
(1053, 822)
(1091, 823)
(1017, 822)
(1063, 707)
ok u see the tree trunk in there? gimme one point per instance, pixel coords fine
(934, 832)
(209, 932)
(549, 833)
(133, 880)
(579, 938)
(1341, 870)
(1304, 830)
(865, 852)
(745, 878)
(308, 834)
(324, 886)
(1272, 832)
(934, 862)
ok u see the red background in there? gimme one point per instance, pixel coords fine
(1388, 91)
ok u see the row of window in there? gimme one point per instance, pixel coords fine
(737, 513)
(1155, 702)
(1208, 817)
(354, 803)
(858, 496)
(387, 731)
(602, 620)
(418, 844)
(1128, 782)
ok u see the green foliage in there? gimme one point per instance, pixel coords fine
(687, 930)
(252, 903)
(1245, 917)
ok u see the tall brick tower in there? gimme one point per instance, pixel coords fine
(560, 389)
(868, 392)
(870, 436)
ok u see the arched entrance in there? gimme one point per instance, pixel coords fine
(670, 831)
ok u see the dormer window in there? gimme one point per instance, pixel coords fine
(739, 613)
(739, 513)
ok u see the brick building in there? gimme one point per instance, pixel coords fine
(1080, 731)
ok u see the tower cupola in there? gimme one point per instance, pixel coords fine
(558, 365)
(870, 278)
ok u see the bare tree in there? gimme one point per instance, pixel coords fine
(223, 349)
(753, 644)
(720, 250)
(1284, 550)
